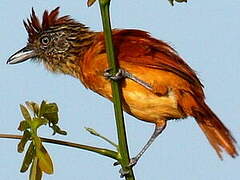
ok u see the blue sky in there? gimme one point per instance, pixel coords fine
(205, 33)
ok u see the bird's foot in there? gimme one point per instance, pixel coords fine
(119, 75)
(125, 74)
(116, 163)
(133, 162)
(123, 173)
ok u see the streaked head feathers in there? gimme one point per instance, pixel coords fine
(34, 26)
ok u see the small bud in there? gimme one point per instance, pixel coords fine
(92, 131)
(90, 2)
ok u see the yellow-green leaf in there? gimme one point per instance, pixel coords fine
(57, 129)
(34, 107)
(51, 108)
(45, 162)
(23, 125)
(51, 117)
(26, 136)
(49, 111)
(46, 108)
(35, 172)
(42, 108)
(25, 112)
(28, 158)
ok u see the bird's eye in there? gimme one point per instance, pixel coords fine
(45, 40)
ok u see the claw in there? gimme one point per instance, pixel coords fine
(116, 163)
(123, 173)
(124, 74)
(119, 75)
(107, 73)
(133, 162)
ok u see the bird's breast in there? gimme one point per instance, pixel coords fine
(161, 103)
(147, 106)
(137, 100)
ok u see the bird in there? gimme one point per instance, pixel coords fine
(157, 84)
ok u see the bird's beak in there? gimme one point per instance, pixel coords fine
(21, 55)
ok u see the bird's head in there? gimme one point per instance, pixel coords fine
(57, 41)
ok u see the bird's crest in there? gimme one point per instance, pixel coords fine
(34, 27)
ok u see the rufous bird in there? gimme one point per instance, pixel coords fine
(158, 85)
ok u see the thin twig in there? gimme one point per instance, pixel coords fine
(102, 151)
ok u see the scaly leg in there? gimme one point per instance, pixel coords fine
(124, 74)
(158, 130)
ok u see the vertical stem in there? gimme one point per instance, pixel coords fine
(116, 90)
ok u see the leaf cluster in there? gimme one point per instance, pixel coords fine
(36, 155)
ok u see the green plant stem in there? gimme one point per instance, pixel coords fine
(116, 90)
(102, 151)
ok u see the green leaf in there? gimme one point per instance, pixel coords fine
(28, 158)
(34, 107)
(45, 162)
(42, 108)
(57, 129)
(23, 125)
(39, 172)
(29, 105)
(51, 108)
(49, 111)
(25, 112)
(26, 136)
(35, 172)
(51, 117)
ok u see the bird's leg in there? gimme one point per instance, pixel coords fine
(156, 133)
(158, 129)
(124, 74)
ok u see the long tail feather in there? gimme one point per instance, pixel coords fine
(216, 132)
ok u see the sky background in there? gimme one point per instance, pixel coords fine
(205, 33)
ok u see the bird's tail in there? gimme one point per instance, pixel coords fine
(216, 132)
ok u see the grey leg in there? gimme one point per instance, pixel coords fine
(156, 133)
(158, 130)
(124, 74)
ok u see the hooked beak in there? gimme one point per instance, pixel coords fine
(21, 55)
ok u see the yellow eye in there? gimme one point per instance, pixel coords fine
(45, 40)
